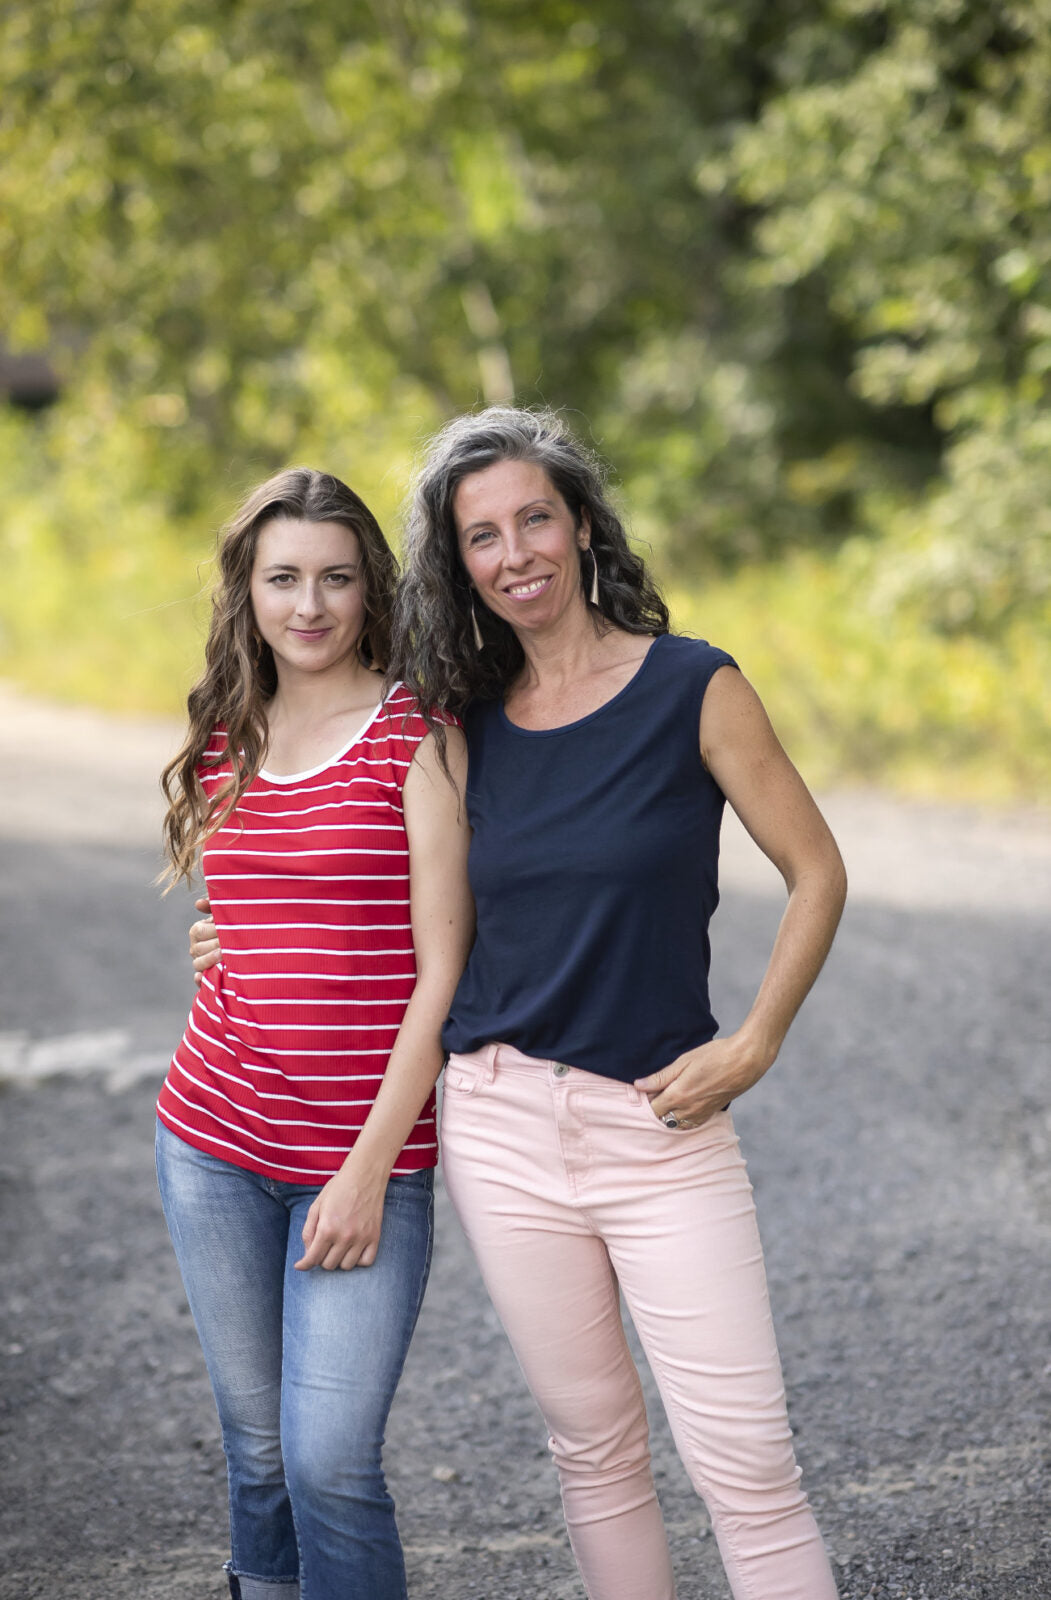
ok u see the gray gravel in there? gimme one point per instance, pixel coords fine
(899, 1152)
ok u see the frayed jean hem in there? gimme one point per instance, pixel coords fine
(245, 1587)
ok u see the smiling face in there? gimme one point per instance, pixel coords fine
(520, 544)
(306, 594)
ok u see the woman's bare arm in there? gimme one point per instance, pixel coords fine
(343, 1224)
(746, 759)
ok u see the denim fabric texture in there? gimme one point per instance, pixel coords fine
(303, 1367)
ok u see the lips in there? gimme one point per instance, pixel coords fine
(309, 634)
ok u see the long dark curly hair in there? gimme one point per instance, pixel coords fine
(432, 647)
(240, 677)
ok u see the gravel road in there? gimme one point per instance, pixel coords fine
(899, 1152)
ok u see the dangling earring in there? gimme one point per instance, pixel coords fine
(593, 596)
(479, 642)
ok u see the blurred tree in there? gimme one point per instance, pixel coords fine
(266, 227)
(789, 257)
(905, 166)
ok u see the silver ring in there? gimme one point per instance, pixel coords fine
(670, 1120)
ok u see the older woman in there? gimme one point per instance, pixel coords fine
(588, 1142)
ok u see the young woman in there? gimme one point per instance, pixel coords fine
(296, 1140)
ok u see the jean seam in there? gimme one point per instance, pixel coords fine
(425, 1274)
(725, 1521)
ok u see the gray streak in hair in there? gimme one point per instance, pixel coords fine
(432, 648)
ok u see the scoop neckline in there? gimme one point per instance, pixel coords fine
(567, 727)
(313, 772)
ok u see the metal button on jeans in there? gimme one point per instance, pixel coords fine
(561, 1069)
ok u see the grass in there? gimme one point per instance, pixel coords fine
(863, 697)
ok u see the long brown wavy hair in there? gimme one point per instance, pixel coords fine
(239, 676)
(432, 649)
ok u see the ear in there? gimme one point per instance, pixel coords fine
(584, 530)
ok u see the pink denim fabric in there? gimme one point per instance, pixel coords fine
(567, 1185)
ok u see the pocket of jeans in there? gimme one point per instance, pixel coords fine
(708, 1126)
(646, 1107)
(459, 1080)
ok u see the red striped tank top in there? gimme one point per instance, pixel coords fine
(289, 1036)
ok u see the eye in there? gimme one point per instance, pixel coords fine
(536, 516)
(281, 579)
(480, 536)
(340, 580)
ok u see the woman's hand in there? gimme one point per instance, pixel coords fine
(703, 1081)
(204, 943)
(343, 1224)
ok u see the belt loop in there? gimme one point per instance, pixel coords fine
(489, 1070)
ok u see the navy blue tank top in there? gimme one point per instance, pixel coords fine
(593, 862)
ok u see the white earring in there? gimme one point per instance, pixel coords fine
(593, 597)
(479, 642)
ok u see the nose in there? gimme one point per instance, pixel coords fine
(517, 553)
(310, 602)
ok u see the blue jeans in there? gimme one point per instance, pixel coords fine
(303, 1366)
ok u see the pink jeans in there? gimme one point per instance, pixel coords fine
(567, 1185)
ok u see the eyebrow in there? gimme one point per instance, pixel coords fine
(541, 500)
(290, 566)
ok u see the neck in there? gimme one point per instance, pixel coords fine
(564, 651)
(304, 697)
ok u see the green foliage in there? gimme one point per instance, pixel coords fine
(859, 696)
(975, 558)
(791, 259)
(913, 180)
(101, 595)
